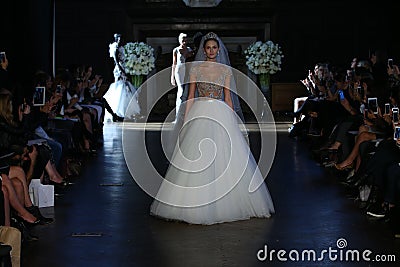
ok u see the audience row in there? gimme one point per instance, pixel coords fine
(351, 117)
(46, 133)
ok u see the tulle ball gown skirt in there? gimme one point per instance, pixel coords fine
(120, 95)
(208, 180)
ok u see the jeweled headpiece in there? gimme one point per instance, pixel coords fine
(210, 35)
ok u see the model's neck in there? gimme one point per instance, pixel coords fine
(211, 59)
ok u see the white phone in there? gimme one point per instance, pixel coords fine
(396, 133)
(39, 96)
(395, 115)
(373, 104)
(387, 108)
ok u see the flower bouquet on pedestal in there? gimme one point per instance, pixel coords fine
(138, 61)
(264, 59)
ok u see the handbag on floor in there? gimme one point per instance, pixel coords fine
(5, 258)
(11, 238)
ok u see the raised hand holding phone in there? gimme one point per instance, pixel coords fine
(395, 115)
(373, 104)
(387, 108)
(396, 133)
(390, 63)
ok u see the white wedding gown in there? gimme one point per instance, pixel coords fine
(209, 177)
(119, 95)
(179, 75)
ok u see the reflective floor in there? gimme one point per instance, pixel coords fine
(103, 219)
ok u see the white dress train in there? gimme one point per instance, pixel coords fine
(121, 94)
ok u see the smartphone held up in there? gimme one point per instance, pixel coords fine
(396, 133)
(387, 108)
(2, 57)
(373, 104)
(360, 91)
(58, 89)
(395, 115)
(390, 63)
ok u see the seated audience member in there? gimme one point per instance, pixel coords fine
(38, 118)
(383, 175)
(376, 126)
(14, 137)
(72, 109)
(352, 98)
(93, 95)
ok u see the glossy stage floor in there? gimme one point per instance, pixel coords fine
(103, 220)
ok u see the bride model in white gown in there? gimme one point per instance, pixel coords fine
(121, 93)
(212, 167)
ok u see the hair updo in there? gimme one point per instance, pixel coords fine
(116, 36)
(181, 36)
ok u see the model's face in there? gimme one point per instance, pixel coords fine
(211, 49)
(184, 41)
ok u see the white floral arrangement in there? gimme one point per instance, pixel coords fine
(264, 57)
(138, 58)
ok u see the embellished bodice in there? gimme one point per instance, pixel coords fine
(209, 90)
(210, 83)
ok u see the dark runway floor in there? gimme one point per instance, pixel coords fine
(103, 220)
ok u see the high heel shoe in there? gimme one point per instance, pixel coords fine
(61, 184)
(34, 210)
(24, 226)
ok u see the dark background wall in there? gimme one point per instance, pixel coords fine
(308, 31)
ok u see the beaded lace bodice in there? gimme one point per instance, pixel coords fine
(210, 83)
